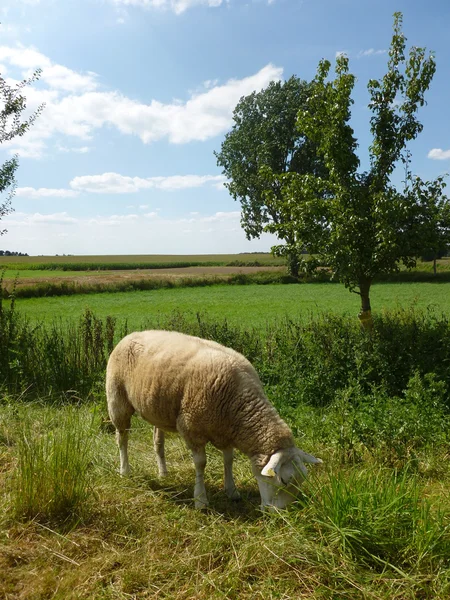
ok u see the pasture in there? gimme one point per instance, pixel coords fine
(254, 305)
(372, 522)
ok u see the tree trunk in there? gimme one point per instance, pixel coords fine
(434, 266)
(365, 315)
(293, 264)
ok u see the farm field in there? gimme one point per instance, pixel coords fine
(219, 259)
(42, 275)
(105, 279)
(254, 305)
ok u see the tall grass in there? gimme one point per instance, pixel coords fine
(52, 480)
(377, 518)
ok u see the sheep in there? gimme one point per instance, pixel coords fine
(207, 393)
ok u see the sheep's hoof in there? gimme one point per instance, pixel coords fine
(125, 472)
(201, 504)
(233, 494)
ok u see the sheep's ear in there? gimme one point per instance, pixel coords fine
(309, 458)
(273, 466)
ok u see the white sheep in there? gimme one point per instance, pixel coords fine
(207, 393)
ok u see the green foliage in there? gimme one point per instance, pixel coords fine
(400, 426)
(430, 227)
(264, 134)
(64, 360)
(304, 361)
(358, 224)
(394, 430)
(394, 103)
(13, 103)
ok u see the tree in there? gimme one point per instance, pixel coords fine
(12, 105)
(358, 225)
(265, 134)
(430, 230)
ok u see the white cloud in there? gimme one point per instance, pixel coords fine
(31, 145)
(177, 6)
(78, 150)
(36, 219)
(74, 107)
(58, 77)
(439, 154)
(109, 183)
(370, 52)
(221, 217)
(113, 183)
(60, 233)
(201, 117)
(30, 192)
(63, 78)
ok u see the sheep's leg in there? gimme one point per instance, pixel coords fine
(230, 486)
(158, 444)
(122, 442)
(199, 456)
(120, 411)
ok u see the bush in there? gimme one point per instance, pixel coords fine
(392, 428)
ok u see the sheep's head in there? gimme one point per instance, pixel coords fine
(280, 479)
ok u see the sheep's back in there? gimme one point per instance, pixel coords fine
(168, 375)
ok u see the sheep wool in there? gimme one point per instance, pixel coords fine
(207, 393)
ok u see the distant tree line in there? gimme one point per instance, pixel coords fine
(10, 253)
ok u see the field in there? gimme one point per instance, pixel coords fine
(373, 522)
(254, 305)
(133, 260)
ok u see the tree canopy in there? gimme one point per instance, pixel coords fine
(12, 124)
(265, 134)
(358, 224)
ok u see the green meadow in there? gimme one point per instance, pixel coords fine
(252, 305)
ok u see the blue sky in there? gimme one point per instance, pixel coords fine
(139, 94)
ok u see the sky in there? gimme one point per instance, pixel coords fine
(140, 93)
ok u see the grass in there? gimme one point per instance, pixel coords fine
(254, 305)
(358, 531)
(372, 523)
(133, 261)
(54, 454)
